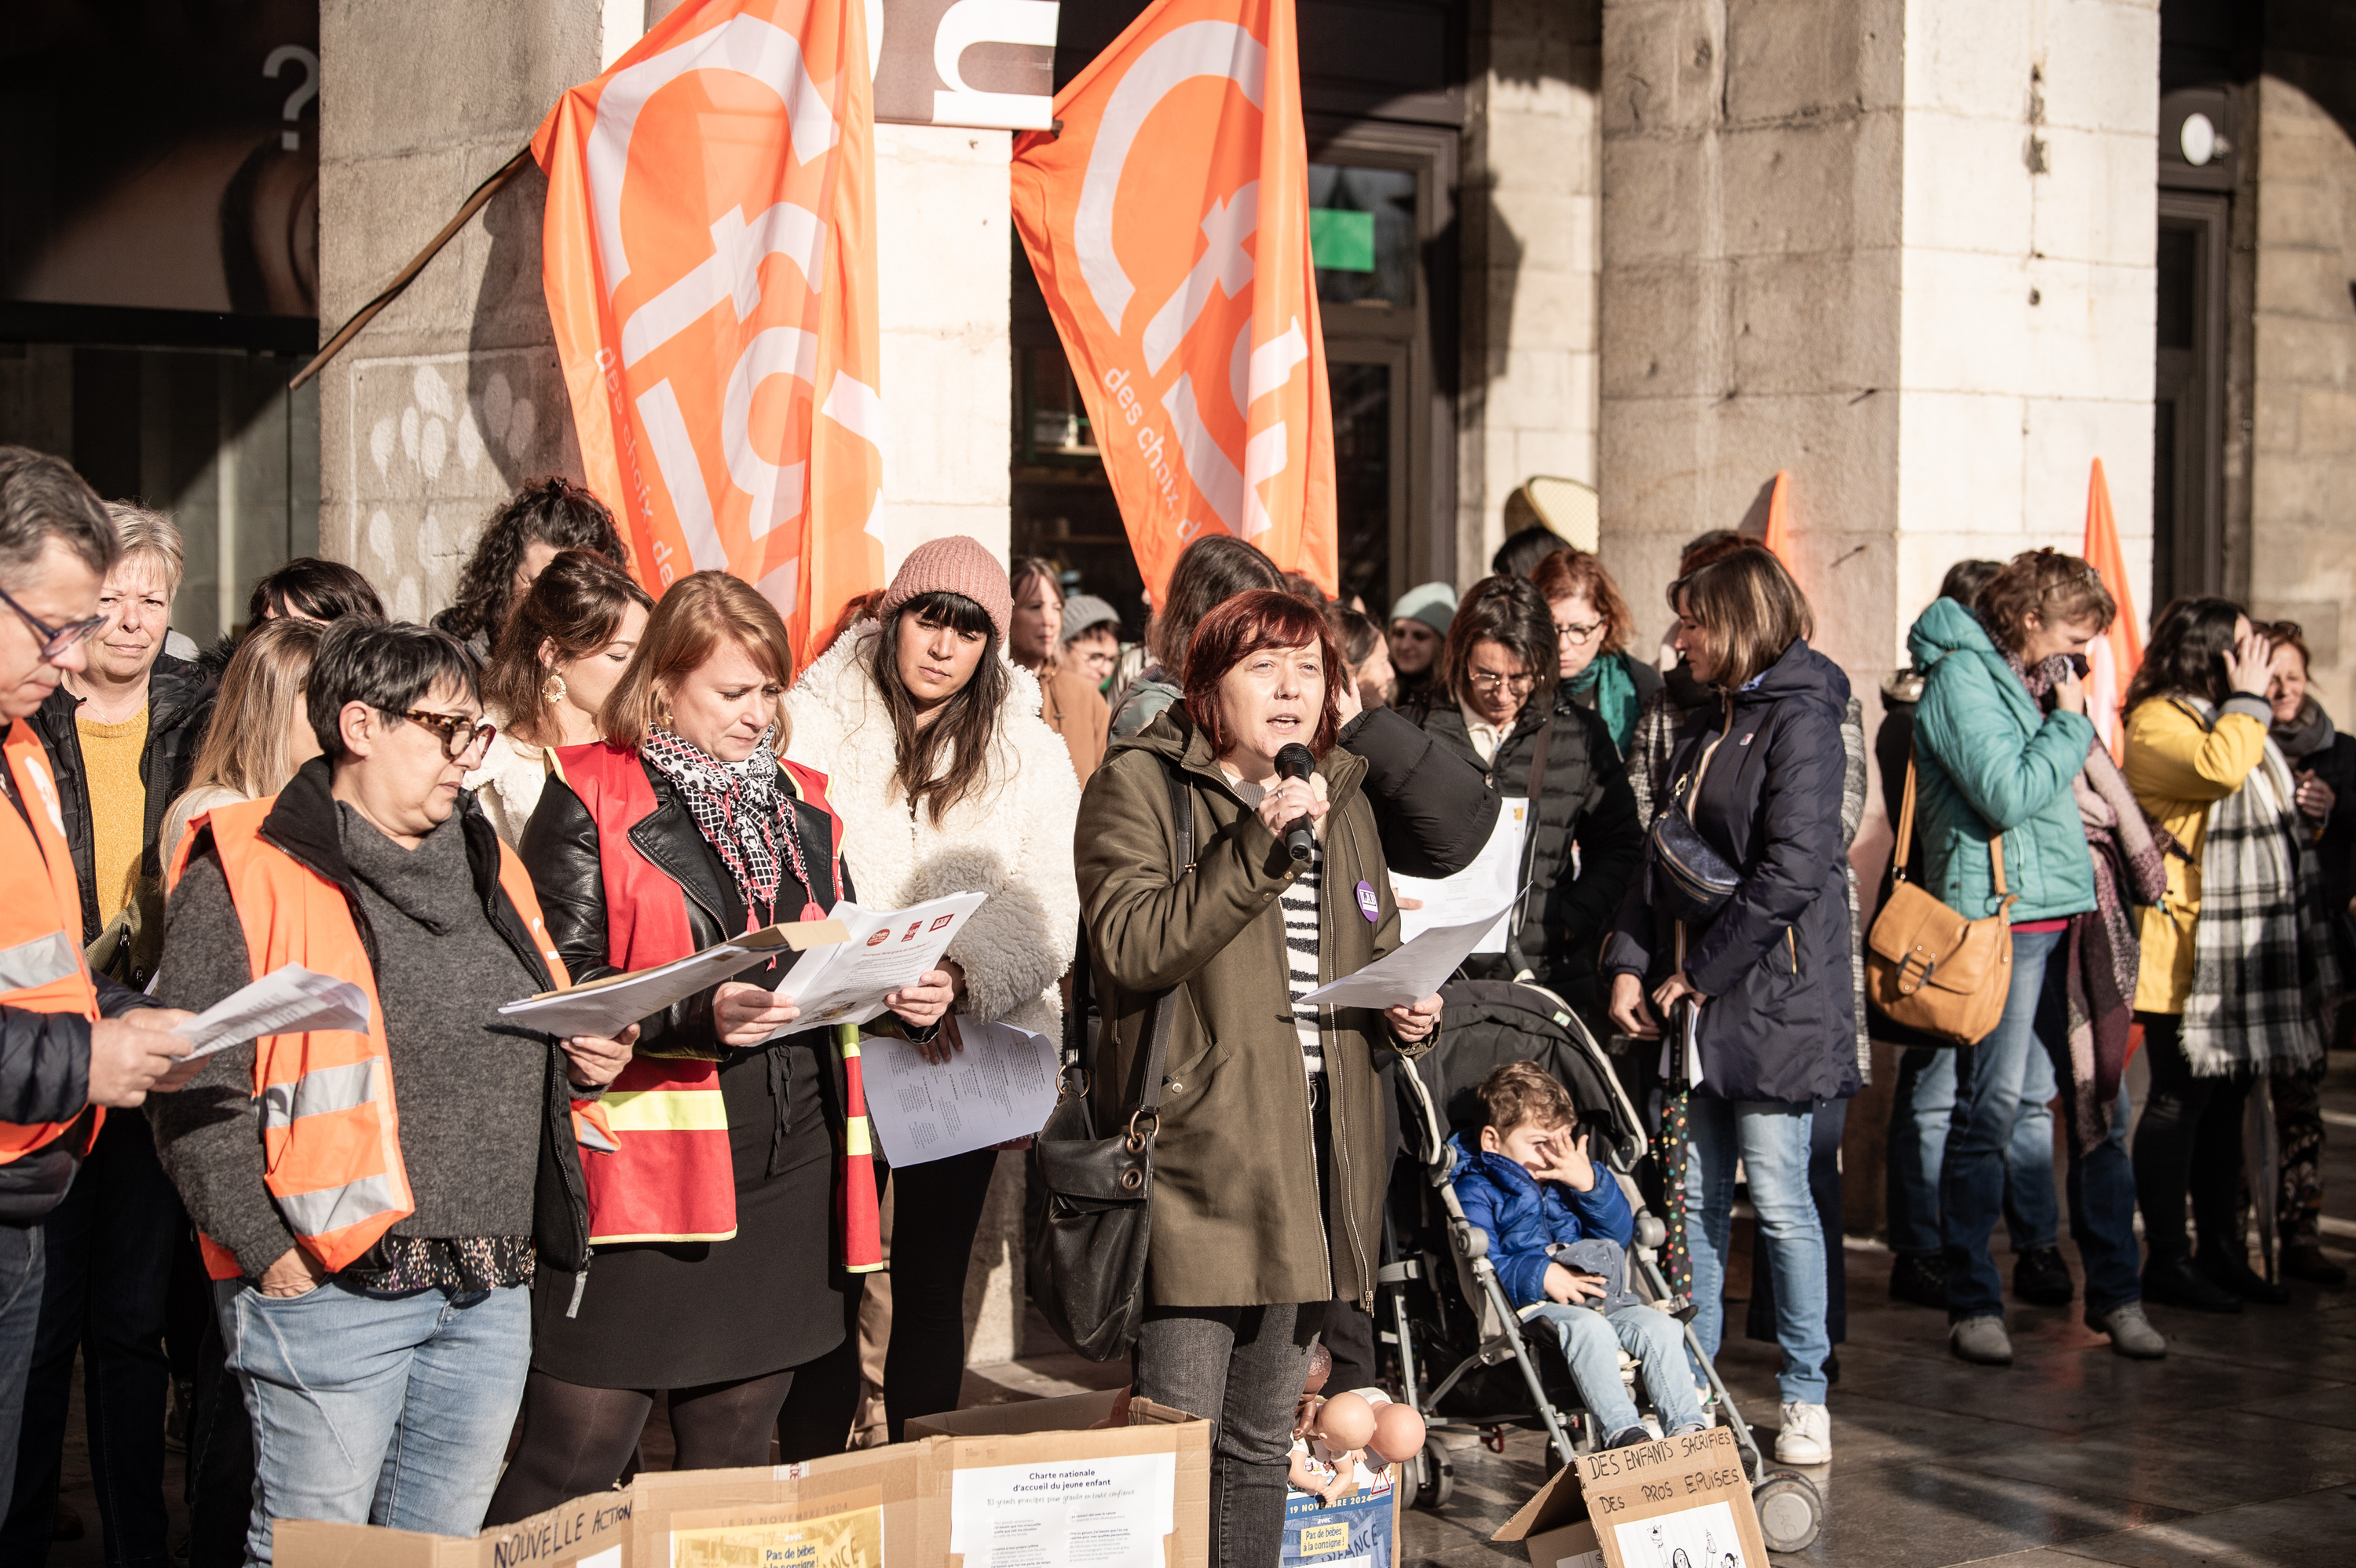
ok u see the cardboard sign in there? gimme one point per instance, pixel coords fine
(1682, 1502)
(875, 1507)
(1358, 1531)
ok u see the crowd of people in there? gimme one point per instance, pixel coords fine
(435, 1273)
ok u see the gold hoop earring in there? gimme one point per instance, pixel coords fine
(552, 690)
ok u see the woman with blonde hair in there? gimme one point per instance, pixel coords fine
(566, 644)
(261, 731)
(719, 1274)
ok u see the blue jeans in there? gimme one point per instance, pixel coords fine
(376, 1409)
(1920, 1119)
(21, 1267)
(1971, 1187)
(1771, 1141)
(1591, 1343)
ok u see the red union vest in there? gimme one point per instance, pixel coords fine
(41, 965)
(330, 1125)
(670, 1176)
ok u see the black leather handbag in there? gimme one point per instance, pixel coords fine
(1691, 878)
(1092, 1214)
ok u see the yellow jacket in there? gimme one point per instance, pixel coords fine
(2177, 767)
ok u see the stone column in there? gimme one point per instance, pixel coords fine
(1531, 180)
(1903, 250)
(451, 398)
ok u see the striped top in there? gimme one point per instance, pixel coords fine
(1301, 901)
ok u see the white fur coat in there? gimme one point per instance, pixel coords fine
(1013, 843)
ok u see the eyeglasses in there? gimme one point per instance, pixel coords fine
(1490, 680)
(1572, 631)
(56, 640)
(459, 733)
(2276, 631)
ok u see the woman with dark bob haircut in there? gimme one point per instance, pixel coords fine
(1269, 1164)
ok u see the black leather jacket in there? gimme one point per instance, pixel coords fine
(179, 705)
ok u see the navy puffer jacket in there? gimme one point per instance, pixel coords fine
(1781, 1020)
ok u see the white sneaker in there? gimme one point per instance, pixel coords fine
(1806, 1437)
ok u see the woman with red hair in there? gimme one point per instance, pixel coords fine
(1268, 1161)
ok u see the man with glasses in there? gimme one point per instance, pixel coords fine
(71, 1043)
(372, 1269)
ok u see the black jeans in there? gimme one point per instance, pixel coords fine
(21, 1260)
(936, 1209)
(1242, 1367)
(110, 1246)
(2190, 1141)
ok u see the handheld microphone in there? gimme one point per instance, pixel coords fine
(1295, 763)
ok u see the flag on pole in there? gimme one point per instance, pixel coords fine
(2112, 659)
(1168, 224)
(1778, 536)
(709, 258)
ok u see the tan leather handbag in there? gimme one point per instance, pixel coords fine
(1928, 967)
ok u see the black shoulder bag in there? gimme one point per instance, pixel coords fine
(1092, 1216)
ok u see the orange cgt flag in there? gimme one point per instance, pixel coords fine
(1169, 226)
(2113, 660)
(1777, 535)
(709, 258)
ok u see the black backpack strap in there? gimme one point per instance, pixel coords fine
(1076, 1020)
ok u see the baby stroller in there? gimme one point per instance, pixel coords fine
(1443, 1311)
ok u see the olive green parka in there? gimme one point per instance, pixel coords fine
(1237, 1217)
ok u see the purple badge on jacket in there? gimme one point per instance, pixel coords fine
(1367, 905)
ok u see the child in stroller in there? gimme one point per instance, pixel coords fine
(1559, 1231)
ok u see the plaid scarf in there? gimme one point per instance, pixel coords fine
(2262, 958)
(742, 812)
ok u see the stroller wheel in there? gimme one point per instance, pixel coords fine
(1436, 1478)
(1791, 1511)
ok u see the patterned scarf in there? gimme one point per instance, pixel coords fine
(2262, 959)
(1606, 683)
(743, 813)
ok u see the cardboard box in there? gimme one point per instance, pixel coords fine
(1010, 1484)
(1646, 1506)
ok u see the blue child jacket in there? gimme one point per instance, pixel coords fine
(1523, 1216)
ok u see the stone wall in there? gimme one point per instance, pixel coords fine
(2303, 435)
(1531, 187)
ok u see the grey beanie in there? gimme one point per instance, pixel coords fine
(1433, 604)
(1082, 611)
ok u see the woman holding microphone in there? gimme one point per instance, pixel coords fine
(718, 1272)
(1270, 1161)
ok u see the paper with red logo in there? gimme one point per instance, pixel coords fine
(709, 258)
(1169, 226)
(885, 950)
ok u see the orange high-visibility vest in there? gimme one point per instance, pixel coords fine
(41, 965)
(330, 1126)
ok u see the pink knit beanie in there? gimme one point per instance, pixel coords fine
(956, 564)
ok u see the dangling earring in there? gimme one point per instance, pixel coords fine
(552, 690)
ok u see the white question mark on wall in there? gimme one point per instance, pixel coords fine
(280, 57)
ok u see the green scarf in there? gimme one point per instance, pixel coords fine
(1606, 686)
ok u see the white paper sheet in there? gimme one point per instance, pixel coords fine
(887, 950)
(1000, 1086)
(1699, 1536)
(290, 1000)
(603, 1008)
(1408, 973)
(1491, 880)
(1111, 1512)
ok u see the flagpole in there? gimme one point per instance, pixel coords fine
(408, 274)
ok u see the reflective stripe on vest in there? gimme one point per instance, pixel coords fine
(671, 1176)
(330, 1121)
(41, 965)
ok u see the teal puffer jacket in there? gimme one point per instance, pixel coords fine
(1988, 760)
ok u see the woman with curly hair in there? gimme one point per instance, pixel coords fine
(545, 518)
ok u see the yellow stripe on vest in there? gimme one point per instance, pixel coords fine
(667, 1111)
